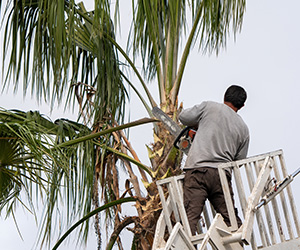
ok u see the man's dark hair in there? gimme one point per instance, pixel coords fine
(236, 95)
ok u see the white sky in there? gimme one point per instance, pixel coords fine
(264, 60)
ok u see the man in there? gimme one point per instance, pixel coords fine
(222, 136)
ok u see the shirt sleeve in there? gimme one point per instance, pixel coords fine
(243, 150)
(191, 116)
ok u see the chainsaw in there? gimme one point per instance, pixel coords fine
(184, 137)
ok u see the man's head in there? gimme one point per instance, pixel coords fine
(236, 96)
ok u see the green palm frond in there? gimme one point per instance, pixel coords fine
(30, 30)
(56, 45)
(29, 158)
(10, 184)
(22, 163)
(103, 93)
(159, 28)
(218, 18)
(61, 159)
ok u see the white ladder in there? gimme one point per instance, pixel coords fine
(252, 180)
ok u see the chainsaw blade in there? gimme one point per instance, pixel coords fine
(172, 126)
(184, 137)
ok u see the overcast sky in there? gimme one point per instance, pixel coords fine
(264, 59)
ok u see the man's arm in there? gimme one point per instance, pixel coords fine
(191, 116)
(243, 150)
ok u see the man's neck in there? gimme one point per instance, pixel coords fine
(230, 105)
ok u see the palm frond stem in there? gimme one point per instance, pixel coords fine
(177, 83)
(106, 131)
(134, 154)
(153, 103)
(118, 229)
(138, 94)
(137, 163)
(89, 215)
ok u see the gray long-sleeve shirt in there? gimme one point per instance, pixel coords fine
(222, 135)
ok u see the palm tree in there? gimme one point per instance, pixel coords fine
(59, 46)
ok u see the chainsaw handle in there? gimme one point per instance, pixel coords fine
(187, 132)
